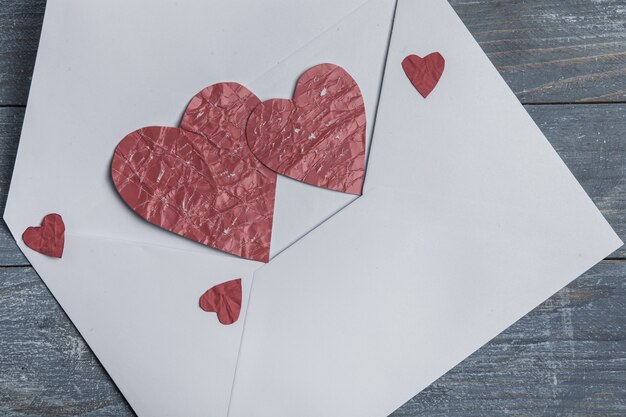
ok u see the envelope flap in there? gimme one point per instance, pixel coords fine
(105, 69)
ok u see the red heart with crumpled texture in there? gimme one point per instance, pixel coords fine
(47, 239)
(319, 136)
(424, 73)
(200, 180)
(225, 300)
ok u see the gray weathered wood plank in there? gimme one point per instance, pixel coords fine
(551, 50)
(591, 140)
(10, 128)
(20, 27)
(566, 358)
(45, 367)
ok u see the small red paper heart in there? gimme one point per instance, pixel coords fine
(424, 73)
(49, 238)
(319, 136)
(225, 300)
(201, 181)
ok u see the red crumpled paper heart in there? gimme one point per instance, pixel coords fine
(201, 181)
(49, 238)
(225, 300)
(424, 73)
(319, 136)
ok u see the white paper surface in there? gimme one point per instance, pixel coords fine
(137, 308)
(489, 186)
(107, 68)
(468, 221)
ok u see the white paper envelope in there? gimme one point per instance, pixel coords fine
(107, 68)
(468, 221)
(464, 172)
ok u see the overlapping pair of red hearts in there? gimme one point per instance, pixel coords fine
(213, 179)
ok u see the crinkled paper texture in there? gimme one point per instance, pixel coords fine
(201, 181)
(319, 136)
(47, 239)
(424, 73)
(225, 300)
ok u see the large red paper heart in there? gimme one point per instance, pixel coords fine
(201, 181)
(225, 300)
(319, 136)
(424, 73)
(49, 238)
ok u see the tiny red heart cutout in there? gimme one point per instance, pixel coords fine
(223, 299)
(47, 239)
(424, 73)
(201, 181)
(318, 137)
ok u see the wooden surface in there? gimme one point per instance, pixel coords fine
(566, 61)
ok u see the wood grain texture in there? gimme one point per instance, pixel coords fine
(591, 139)
(10, 128)
(20, 27)
(547, 50)
(553, 50)
(566, 358)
